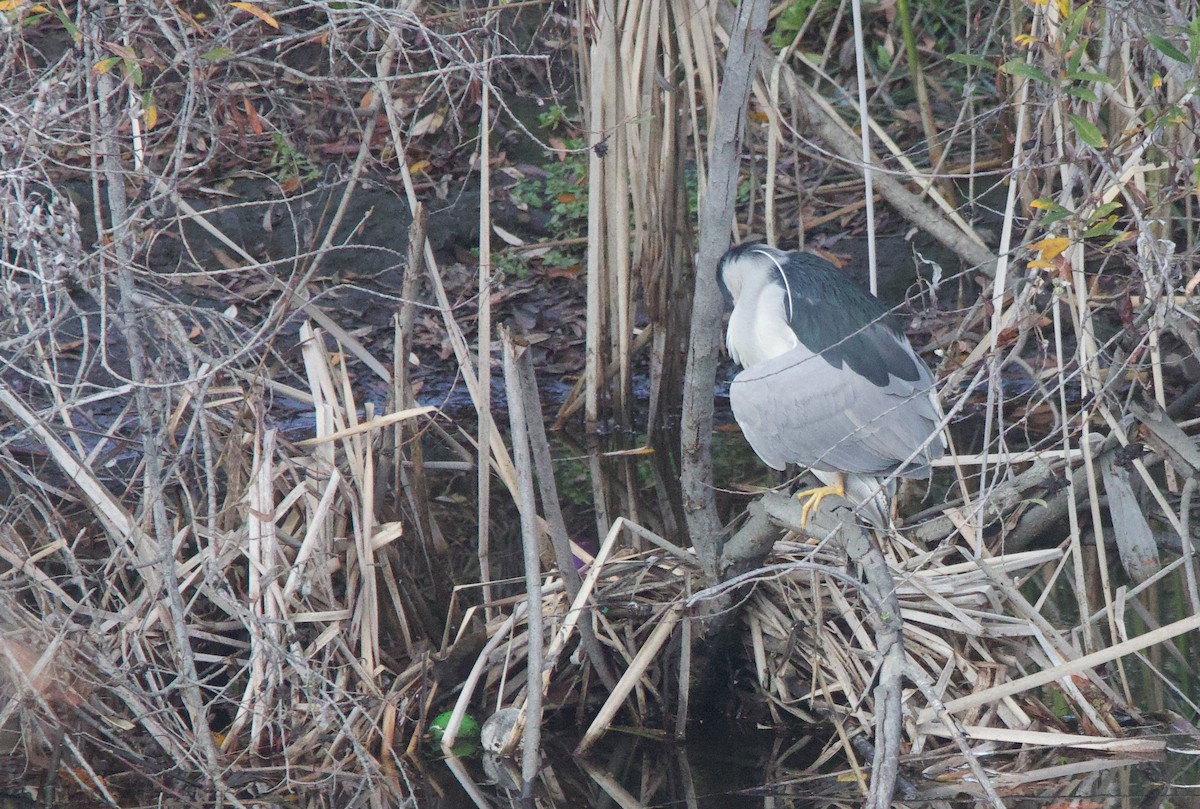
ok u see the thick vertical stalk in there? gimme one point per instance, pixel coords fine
(904, 14)
(716, 220)
(484, 404)
(601, 78)
(523, 459)
(560, 540)
(864, 119)
(150, 426)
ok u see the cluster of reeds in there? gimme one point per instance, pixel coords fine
(264, 644)
(199, 584)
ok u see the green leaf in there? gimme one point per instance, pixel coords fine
(1102, 228)
(1083, 93)
(1054, 216)
(1053, 211)
(1074, 24)
(1019, 67)
(882, 57)
(1104, 210)
(971, 59)
(72, 29)
(217, 54)
(1121, 236)
(1088, 132)
(1166, 48)
(1074, 59)
(790, 22)
(1088, 75)
(133, 70)
(1174, 114)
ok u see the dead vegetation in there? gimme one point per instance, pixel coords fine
(227, 566)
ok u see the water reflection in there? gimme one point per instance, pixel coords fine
(734, 770)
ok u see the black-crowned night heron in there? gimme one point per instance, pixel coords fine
(830, 382)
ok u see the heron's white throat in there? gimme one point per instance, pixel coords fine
(758, 328)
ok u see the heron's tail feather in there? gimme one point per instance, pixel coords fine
(872, 499)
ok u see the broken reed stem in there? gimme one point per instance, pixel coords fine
(1189, 555)
(600, 80)
(560, 540)
(1088, 662)
(645, 656)
(367, 606)
(415, 484)
(864, 115)
(518, 420)
(483, 406)
(463, 703)
(685, 676)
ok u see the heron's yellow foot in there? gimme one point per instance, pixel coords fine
(813, 498)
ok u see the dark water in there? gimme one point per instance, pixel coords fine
(759, 771)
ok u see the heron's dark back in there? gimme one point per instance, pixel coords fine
(835, 317)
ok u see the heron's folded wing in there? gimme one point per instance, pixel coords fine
(797, 408)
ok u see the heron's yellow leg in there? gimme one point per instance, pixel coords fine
(812, 497)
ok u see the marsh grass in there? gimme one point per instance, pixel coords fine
(197, 584)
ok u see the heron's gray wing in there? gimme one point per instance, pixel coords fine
(798, 408)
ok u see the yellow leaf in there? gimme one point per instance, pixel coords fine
(1024, 40)
(150, 114)
(1064, 8)
(419, 166)
(250, 8)
(1051, 246)
(428, 125)
(105, 65)
(11, 5)
(1156, 81)
(1039, 264)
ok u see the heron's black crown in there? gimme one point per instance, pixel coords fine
(828, 312)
